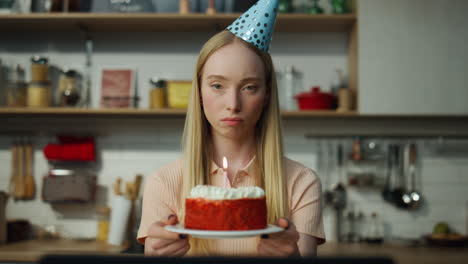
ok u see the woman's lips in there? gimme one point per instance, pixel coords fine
(232, 121)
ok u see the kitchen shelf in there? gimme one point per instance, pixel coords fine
(311, 124)
(165, 22)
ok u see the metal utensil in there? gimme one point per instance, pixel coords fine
(414, 195)
(328, 194)
(387, 191)
(399, 189)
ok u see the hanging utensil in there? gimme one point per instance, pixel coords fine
(339, 194)
(387, 191)
(414, 195)
(29, 185)
(14, 169)
(404, 200)
(328, 194)
(399, 189)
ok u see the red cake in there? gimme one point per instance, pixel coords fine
(215, 208)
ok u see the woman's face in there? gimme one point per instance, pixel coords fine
(233, 90)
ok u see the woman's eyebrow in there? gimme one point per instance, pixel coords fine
(216, 77)
(251, 79)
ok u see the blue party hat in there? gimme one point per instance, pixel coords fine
(257, 24)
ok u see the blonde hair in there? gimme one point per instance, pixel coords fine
(269, 152)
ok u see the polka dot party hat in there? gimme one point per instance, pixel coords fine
(257, 24)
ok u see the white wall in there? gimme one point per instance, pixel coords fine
(413, 57)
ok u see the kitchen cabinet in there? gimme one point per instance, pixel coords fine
(413, 57)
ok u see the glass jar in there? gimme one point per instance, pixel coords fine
(69, 88)
(15, 87)
(158, 95)
(102, 223)
(39, 69)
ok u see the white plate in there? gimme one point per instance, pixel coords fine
(223, 234)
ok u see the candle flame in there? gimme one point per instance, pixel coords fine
(225, 163)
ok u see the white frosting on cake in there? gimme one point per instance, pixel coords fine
(218, 193)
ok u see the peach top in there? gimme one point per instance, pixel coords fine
(163, 190)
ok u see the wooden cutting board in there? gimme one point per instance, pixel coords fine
(14, 168)
(19, 181)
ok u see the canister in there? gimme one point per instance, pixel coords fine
(158, 93)
(15, 87)
(39, 94)
(39, 69)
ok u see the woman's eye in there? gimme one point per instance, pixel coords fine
(250, 88)
(216, 86)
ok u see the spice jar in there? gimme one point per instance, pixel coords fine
(39, 94)
(15, 87)
(158, 95)
(69, 88)
(39, 69)
(103, 223)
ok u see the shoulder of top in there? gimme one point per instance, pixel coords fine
(295, 167)
(170, 170)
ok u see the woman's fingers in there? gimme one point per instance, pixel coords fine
(267, 250)
(157, 230)
(181, 252)
(173, 248)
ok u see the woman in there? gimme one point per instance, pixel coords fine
(234, 113)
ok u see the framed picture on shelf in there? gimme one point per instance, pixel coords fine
(117, 87)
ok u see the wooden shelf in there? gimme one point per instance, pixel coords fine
(95, 22)
(311, 124)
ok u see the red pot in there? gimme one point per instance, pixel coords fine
(314, 100)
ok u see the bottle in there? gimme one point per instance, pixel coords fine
(158, 95)
(374, 234)
(314, 8)
(340, 6)
(292, 82)
(285, 6)
(103, 223)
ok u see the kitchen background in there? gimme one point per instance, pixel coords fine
(412, 60)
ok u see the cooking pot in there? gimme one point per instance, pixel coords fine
(315, 100)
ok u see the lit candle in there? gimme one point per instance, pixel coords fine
(225, 165)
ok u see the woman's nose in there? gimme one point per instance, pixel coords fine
(233, 102)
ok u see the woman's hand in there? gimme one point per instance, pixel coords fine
(282, 244)
(161, 242)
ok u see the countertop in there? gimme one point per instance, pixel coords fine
(401, 254)
(32, 250)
